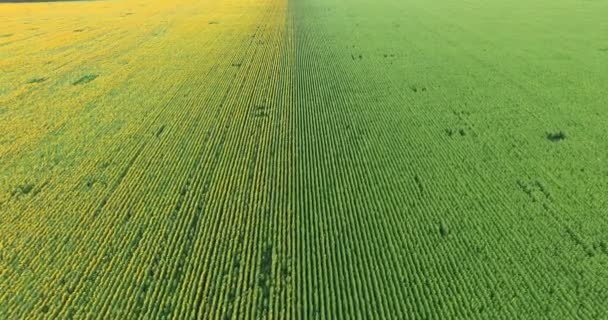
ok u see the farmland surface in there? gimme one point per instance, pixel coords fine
(310, 159)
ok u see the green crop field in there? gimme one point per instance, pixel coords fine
(304, 159)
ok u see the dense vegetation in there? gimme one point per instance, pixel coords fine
(304, 159)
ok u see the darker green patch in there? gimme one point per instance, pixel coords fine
(89, 182)
(90, 106)
(6, 35)
(417, 89)
(536, 190)
(36, 80)
(603, 49)
(264, 278)
(79, 30)
(85, 79)
(23, 189)
(236, 264)
(556, 136)
(166, 311)
(160, 131)
(70, 290)
(444, 231)
(266, 261)
(285, 272)
(45, 309)
(214, 22)
(580, 242)
(600, 247)
(260, 111)
(418, 182)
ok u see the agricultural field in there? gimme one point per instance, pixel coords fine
(304, 159)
